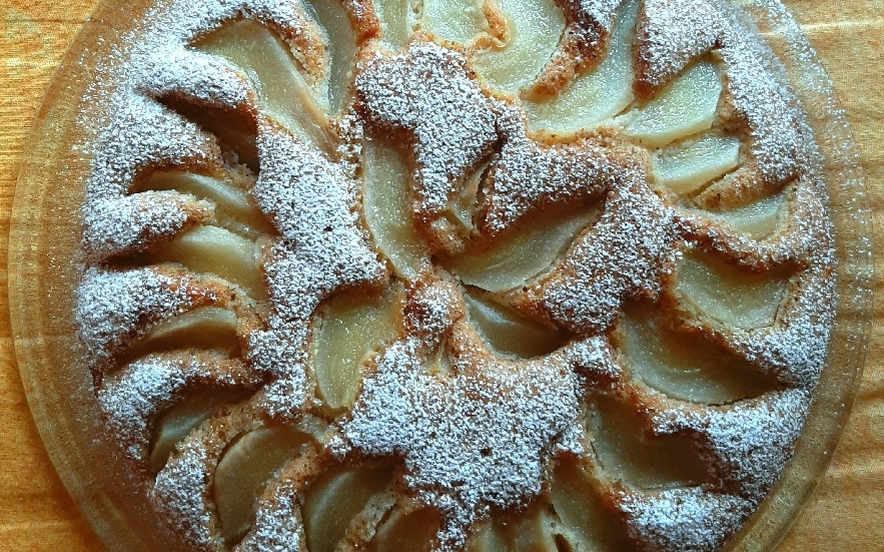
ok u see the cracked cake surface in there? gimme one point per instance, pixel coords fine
(518, 275)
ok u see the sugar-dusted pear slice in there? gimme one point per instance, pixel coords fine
(686, 367)
(333, 502)
(386, 201)
(395, 18)
(734, 296)
(757, 220)
(341, 49)
(351, 327)
(685, 106)
(249, 463)
(688, 166)
(408, 532)
(625, 452)
(506, 331)
(597, 95)
(180, 420)
(584, 522)
(512, 259)
(232, 208)
(267, 62)
(531, 38)
(214, 250)
(212, 328)
(453, 20)
(486, 537)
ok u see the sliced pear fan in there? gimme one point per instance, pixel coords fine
(267, 62)
(214, 250)
(757, 220)
(597, 95)
(688, 166)
(686, 367)
(625, 453)
(245, 469)
(334, 501)
(232, 208)
(184, 418)
(352, 326)
(508, 332)
(735, 297)
(684, 107)
(386, 201)
(408, 532)
(458, 21)
(513, 259)
(531, 38)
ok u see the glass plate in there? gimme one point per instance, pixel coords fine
(44, 239)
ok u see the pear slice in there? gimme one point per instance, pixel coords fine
(282, 93)
(598, 94)
(395, 19)
(733, 296)
(214, 250)
(486, 537)
(688, 166)
(459, 21)
(247, 466)
(584, 522)
(183, 418)
(232, 208)
(533, 29)
(386, 201)
(626, 453)
(512, 260)
(352, 326)
(684, 107)
(341, 49)
(414, 531)
(686, 367)
(534, 532)
(508, 332)
(334, 501)
(209, 328)
(757, 220)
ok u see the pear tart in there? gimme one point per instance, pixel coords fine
(501, 276)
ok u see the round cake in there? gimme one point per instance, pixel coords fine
(397, 276)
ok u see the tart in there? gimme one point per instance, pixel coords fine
(518, 275)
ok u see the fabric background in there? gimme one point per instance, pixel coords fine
(847, 512)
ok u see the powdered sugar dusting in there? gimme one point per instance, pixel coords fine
(114, 307)
(526, 177)
(474, 429)
(130, 224)
(426, 414)
(688, 520)
(671, 34)
(624, 255)
(749, 443)
(427, 93)
(150, 385)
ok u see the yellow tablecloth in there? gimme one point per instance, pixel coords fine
(847, 513)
